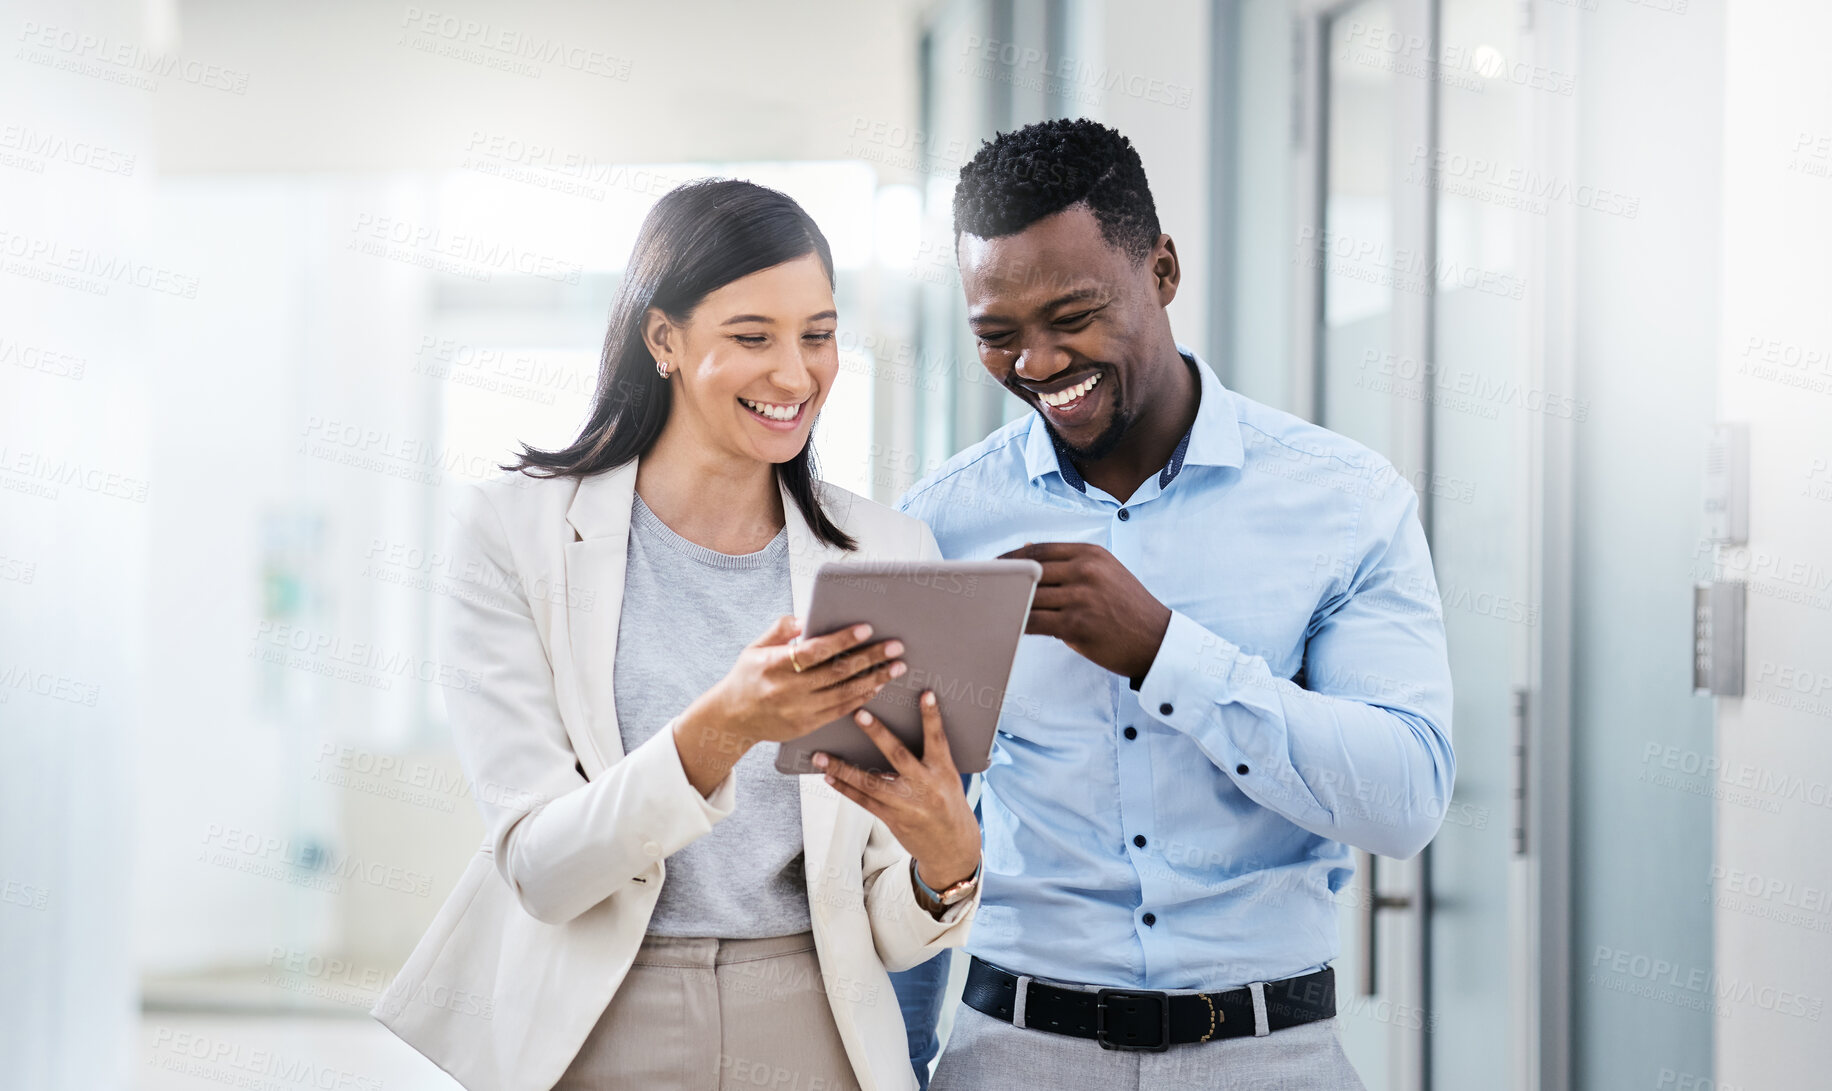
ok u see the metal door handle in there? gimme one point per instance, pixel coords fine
(1371, 903)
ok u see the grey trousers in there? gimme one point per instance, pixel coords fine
(712, 1015)
(984, 1053)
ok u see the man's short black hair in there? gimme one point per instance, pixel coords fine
(1018, 178)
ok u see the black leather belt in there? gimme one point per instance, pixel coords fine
(1147, 1020)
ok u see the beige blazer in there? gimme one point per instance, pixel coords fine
(528, 950)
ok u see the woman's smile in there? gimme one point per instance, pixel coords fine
(777, 416)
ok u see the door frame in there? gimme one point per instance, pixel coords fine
(1549, 35)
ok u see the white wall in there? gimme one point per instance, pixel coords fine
(345, 85)
(75, 492)
(293, 328)
(1774, 886)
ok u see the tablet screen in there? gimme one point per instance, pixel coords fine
(959, 622)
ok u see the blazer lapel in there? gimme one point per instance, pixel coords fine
(600, 519)
(820, 805)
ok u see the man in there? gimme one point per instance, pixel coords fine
(1235, 667)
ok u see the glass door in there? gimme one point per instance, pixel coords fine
(1481, 406)
(1410, 302)
(1363, 301)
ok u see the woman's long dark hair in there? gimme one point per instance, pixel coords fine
(698, 238)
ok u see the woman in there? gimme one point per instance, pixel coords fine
(655, 906)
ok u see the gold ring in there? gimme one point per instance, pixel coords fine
(792, 661)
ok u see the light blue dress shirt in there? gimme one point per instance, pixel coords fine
(1191, 834)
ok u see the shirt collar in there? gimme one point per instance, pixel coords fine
(1213, 438)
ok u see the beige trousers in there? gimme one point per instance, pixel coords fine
(716, 1015)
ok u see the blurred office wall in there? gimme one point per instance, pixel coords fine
(375, 258)
(1771, 877)
(1642, 342)
(75, 520)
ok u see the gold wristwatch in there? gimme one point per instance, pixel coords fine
(956, 893)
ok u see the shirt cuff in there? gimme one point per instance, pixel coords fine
(1190, 676)
(1223, 699)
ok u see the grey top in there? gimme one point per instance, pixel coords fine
(687, 613)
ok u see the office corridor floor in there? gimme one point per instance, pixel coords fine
(184, 1051)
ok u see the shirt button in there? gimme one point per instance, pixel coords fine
(1124, 515)
(1132, 732)
(1241, 769)
(1165, 708)
(651, 848)
(1149, 919)
(1139, 840)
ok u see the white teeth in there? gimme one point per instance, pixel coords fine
(772, 410)
(1064, 397)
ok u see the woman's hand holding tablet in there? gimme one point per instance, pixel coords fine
(922, 802)
(782, 686)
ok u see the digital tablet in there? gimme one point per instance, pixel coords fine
(959, 622)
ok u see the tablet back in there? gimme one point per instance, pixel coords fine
(959, 622)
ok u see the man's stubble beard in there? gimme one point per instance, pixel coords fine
(1103, 444)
